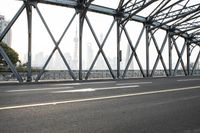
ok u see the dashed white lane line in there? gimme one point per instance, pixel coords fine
(38, 89)
(74, 91)
(87, 83)
(98, 98)
(95, 89)
(136, 83)
(183, 80)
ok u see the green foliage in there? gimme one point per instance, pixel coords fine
(12, 54)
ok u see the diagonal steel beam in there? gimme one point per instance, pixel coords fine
(121, 2)
(184, 7)
(100, 49)
(134, 53)
(168, 7)
(2, 52)
(188, 25)
(176, 15)
(130, 6)
(173, 13)
(56, 45)
(179, 16)
(188, 29)
(159, 8)
(159, 54)
(185, 21)
(180, 55)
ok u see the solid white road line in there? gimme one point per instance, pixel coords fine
(39, 89)
(136, 83)
(183, 80)
(98, 98)
(95, 89)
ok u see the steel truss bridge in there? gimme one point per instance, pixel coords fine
(178, 18)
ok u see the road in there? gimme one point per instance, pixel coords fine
(159, 105)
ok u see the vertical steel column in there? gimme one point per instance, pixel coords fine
(81, 22)
(188, 57)
(170, 53)
(147, 50)
(118, 48)
(29, 18)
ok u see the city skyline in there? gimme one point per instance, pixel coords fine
(56, 62)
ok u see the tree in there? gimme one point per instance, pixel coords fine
(12, 54)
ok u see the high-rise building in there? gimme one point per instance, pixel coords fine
(3, 24)
(39, 60)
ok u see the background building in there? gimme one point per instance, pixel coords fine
(3, 23)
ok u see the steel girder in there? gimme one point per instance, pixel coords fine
(182, 22)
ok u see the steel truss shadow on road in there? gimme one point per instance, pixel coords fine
(182, 22)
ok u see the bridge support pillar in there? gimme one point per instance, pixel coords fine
(147, 50)
(170, 53)
(29, 66)
(119, 54)
(188, 57)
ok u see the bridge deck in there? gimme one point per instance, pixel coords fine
(164, 105)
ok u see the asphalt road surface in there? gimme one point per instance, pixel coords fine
(160, 105)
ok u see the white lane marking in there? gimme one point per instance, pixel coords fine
(87, 83)
(38, 89)
(98, 98)
(183, 80)
(136, 83)
(95, 89)
(67, 84)
(73, 91)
